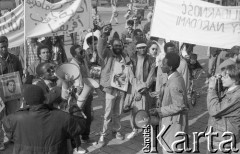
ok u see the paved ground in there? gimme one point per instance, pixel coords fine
(198, 115)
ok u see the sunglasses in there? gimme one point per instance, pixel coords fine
(50, 69)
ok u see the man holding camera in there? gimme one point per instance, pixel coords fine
(114, 97)
(224, 109)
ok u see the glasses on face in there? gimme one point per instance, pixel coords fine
(50, 69)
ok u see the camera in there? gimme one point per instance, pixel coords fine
(219, 86)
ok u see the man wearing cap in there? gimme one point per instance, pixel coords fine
(143, 67)
(9, 63)
(39, 128)
(114, 97)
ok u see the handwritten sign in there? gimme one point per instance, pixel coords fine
(197, 22)
(12, 26)
(62, 18)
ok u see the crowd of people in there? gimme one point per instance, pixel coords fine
(159, 76)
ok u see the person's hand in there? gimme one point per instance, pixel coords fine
(155, 94)
(143, 90)
(107, 29)
(212, 82)
(138, 97)
(153, 112)
(79, 90)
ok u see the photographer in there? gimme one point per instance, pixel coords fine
(224, 111)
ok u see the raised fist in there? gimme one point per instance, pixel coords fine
(107, 29)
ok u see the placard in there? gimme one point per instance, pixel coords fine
(11, 86)
(120, 77)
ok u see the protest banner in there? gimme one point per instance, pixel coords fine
(62, 18)
(197, 22)
(12, 26)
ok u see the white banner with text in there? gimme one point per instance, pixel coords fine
(12, 26)
(197, 22)
(62, 18)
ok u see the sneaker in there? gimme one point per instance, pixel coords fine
(79, 150)
(119, 136)
(89, 141)
(131, 135)
(2, 147)
(101, 141)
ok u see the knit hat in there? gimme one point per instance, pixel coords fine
(33, 95)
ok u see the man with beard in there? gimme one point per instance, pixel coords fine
(173, 108)
(47, 81)
(44, 56)
(114, 97)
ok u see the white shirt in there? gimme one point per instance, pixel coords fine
(170, 75)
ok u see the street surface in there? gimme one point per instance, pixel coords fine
(198, 115)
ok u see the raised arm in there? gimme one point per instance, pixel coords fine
(102, 47)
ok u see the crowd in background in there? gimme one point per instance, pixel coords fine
(160, 77)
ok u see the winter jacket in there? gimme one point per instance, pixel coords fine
(40, 129)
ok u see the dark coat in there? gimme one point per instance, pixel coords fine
(11, 64)
(42, 130)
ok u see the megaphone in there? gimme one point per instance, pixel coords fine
(142, 118)
(64, 72)
(89, 84)
(67, 68)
